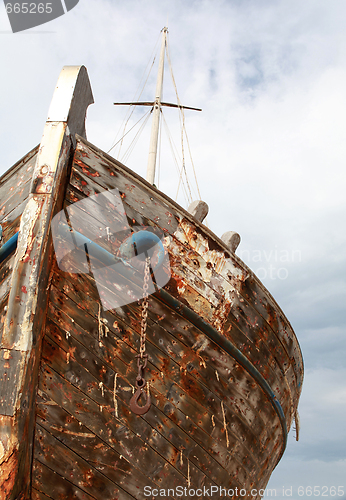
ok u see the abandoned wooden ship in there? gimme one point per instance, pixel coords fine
(224, 367)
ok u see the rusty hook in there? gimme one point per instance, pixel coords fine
(134, 406)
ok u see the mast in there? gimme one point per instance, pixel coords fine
(156, 113)
(157, 106)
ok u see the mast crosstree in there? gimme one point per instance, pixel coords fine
(156, 110)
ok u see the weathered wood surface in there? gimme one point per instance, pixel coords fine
(210, 423)
(105, 374)
(255, 333)
(17, 176)
(217, 272)
(272, 351)
(14, 191)
(26, 307)
(183, 360)
(94, 171)
(3, 311)
(5, 279)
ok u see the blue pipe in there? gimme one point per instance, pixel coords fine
(143, 241)
(140, 243)
(8, 247)
(135, 244)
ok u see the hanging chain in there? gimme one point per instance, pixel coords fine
(142, 357)
(145, 305)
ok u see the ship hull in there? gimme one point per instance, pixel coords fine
(224, 366)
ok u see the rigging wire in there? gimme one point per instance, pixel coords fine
(134, 141)
(188, 198)
(182, 124)
(145, 114)
(131, 111)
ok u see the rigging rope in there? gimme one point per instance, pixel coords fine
(135, 139)
(182, 114)
(146, 114)
(130, 111)
(188, 198)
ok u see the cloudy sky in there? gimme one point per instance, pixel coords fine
(269, 149)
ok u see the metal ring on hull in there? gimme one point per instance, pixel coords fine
(227, 346)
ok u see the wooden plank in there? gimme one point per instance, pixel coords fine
(271, 312)
(101, 456)
(68, 464)
(74, 350)
(3, 312)
(38, 495)
(248, 339)
(58, 487)
(143, 201)
(125, 333)
(17, 170)
(158, 421)
(91, 219)
(201, 404)
(260, 299)
(133, 316)
(112, 344)
(241, 309)
(95, 451)
(113, 432)
(15, 197)
(10, 230)
(88, 385)
(15, 214)
(5, 277)
(9, 379)
(5, 273)
(245, 332)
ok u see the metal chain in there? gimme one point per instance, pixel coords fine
(142, 357)
(145, 305)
